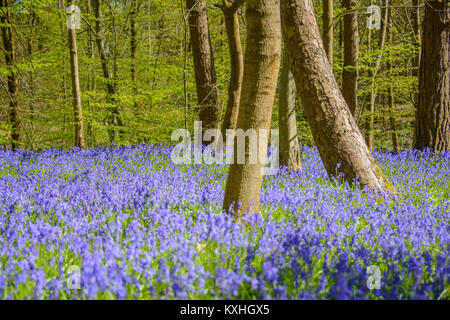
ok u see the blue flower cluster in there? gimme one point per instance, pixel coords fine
(138, 226)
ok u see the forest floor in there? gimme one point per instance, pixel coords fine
(125, 222)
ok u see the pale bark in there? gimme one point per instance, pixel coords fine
(289, 149)
(76, 94)
(261, 66)
(432, 128)
(335, 132)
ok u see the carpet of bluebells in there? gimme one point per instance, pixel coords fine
(140, 227)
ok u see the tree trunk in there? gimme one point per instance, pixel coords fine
(391, 106)
(91, 141)
(13, 81)
(237, 64)
(205, 73)
(433, 113)
(77, 109)
(31, 80)
(261, 66)
(415, 11)
(335, 132)
(62, 27)
(373, 75)
(111, 85)
(327, 32)
(133, 49)
(289, 149)
(416, 26)
(351, 53)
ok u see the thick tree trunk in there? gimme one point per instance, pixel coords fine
(336, 134)
(433, 113)
(205, 73)
(327, 25)
(237, 63)
(13, 81)
(392, 118)
(111, 85)
(77, 108)
(351, 53)
(289, 149)
(261, 66)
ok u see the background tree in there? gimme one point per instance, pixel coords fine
(77, 108)
(205, 72)
(433, 112)
(391, 104)
(13, 83)
(327, 26)
(111, 83)
(289, 148)
(133, 47)
(373, 74)
(351, 53)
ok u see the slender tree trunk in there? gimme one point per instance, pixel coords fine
(31, 86)
(327, 32)
(149, 30)
(133, 49)
(261, 66)
(415, 11)
(237, 63)
(392, 118)
(185, 60)
(336, 134)
(351, 53)
(289, 147)
(91, 141)
(77, 108)
(432, 128)
(416, 25)
(111, 85)
(13, 81)
(62, 27)
(205, 73)
(373, 86)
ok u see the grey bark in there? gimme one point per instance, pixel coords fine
(289, 149)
